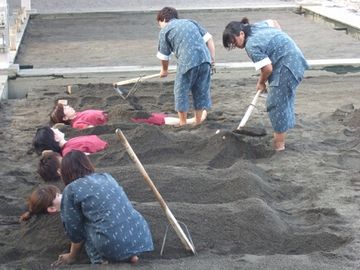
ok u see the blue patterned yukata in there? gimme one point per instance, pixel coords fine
(268, 45)
(95, 209)
(187, 40)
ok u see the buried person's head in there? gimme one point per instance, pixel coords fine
(49, 166)
(43, 200)
(47, 138)
(62, 114)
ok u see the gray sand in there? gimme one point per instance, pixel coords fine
(245, 206)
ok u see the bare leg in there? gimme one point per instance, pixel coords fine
(182, 118)
(279, 141)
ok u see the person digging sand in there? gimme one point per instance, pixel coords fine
(195, 51)
(281, 63)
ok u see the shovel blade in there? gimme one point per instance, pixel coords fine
(122, 92)
(251, 131)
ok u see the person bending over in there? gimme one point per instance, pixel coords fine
(63, 113)
(47, 138)
(195, 51)
(95, 212)
(281, 64)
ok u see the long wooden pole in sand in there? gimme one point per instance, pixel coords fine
(174, 223)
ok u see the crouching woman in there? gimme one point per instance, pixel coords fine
(96, 213)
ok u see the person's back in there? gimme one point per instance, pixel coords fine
(185, 38)
(110, 221)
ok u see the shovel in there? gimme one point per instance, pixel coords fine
(189, 246)
(124, 93)
(252, 131)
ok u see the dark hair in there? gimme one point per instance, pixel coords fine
(45, 140)
(75, 165)
(233, 29)
(167, 13)
(49, 165)
(39, 200)
(57, 115)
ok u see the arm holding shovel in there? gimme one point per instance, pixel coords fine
(264, 75)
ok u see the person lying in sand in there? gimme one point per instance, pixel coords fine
(95, 212)
(160, 119)
(282, 65)
(49, 166)
(47, 138)
(63, 113)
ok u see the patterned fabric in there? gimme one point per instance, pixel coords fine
(88, 118)
(197, 81)
(96, 209)
(187, 40)
(267, 45)
(86, 144)
(280, 102)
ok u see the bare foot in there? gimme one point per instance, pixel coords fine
(134, 259)
(279, 146)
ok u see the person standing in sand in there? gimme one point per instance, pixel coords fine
(281, 63)
(95, 212)
(195, 51)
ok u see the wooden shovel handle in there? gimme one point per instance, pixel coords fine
(174, 223)
(140, 79)
(249, 110)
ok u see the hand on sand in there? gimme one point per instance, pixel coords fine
(63, 259)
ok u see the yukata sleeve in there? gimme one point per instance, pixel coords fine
(259, 58)
(205, 34)
(164, 49)
(72, 216)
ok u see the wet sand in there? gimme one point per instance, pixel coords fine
(246, 207)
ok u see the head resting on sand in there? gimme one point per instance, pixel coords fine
(58, 114)
(49, 166)
(75, 165)
(43, 200)
(47, 138)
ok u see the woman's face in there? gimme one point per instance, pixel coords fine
(240, 40)
(69, 112)
(58, 135)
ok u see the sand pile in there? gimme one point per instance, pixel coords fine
(235, 195)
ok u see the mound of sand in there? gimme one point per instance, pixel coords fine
(233, 192)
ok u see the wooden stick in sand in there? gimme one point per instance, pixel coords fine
(174, 223)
